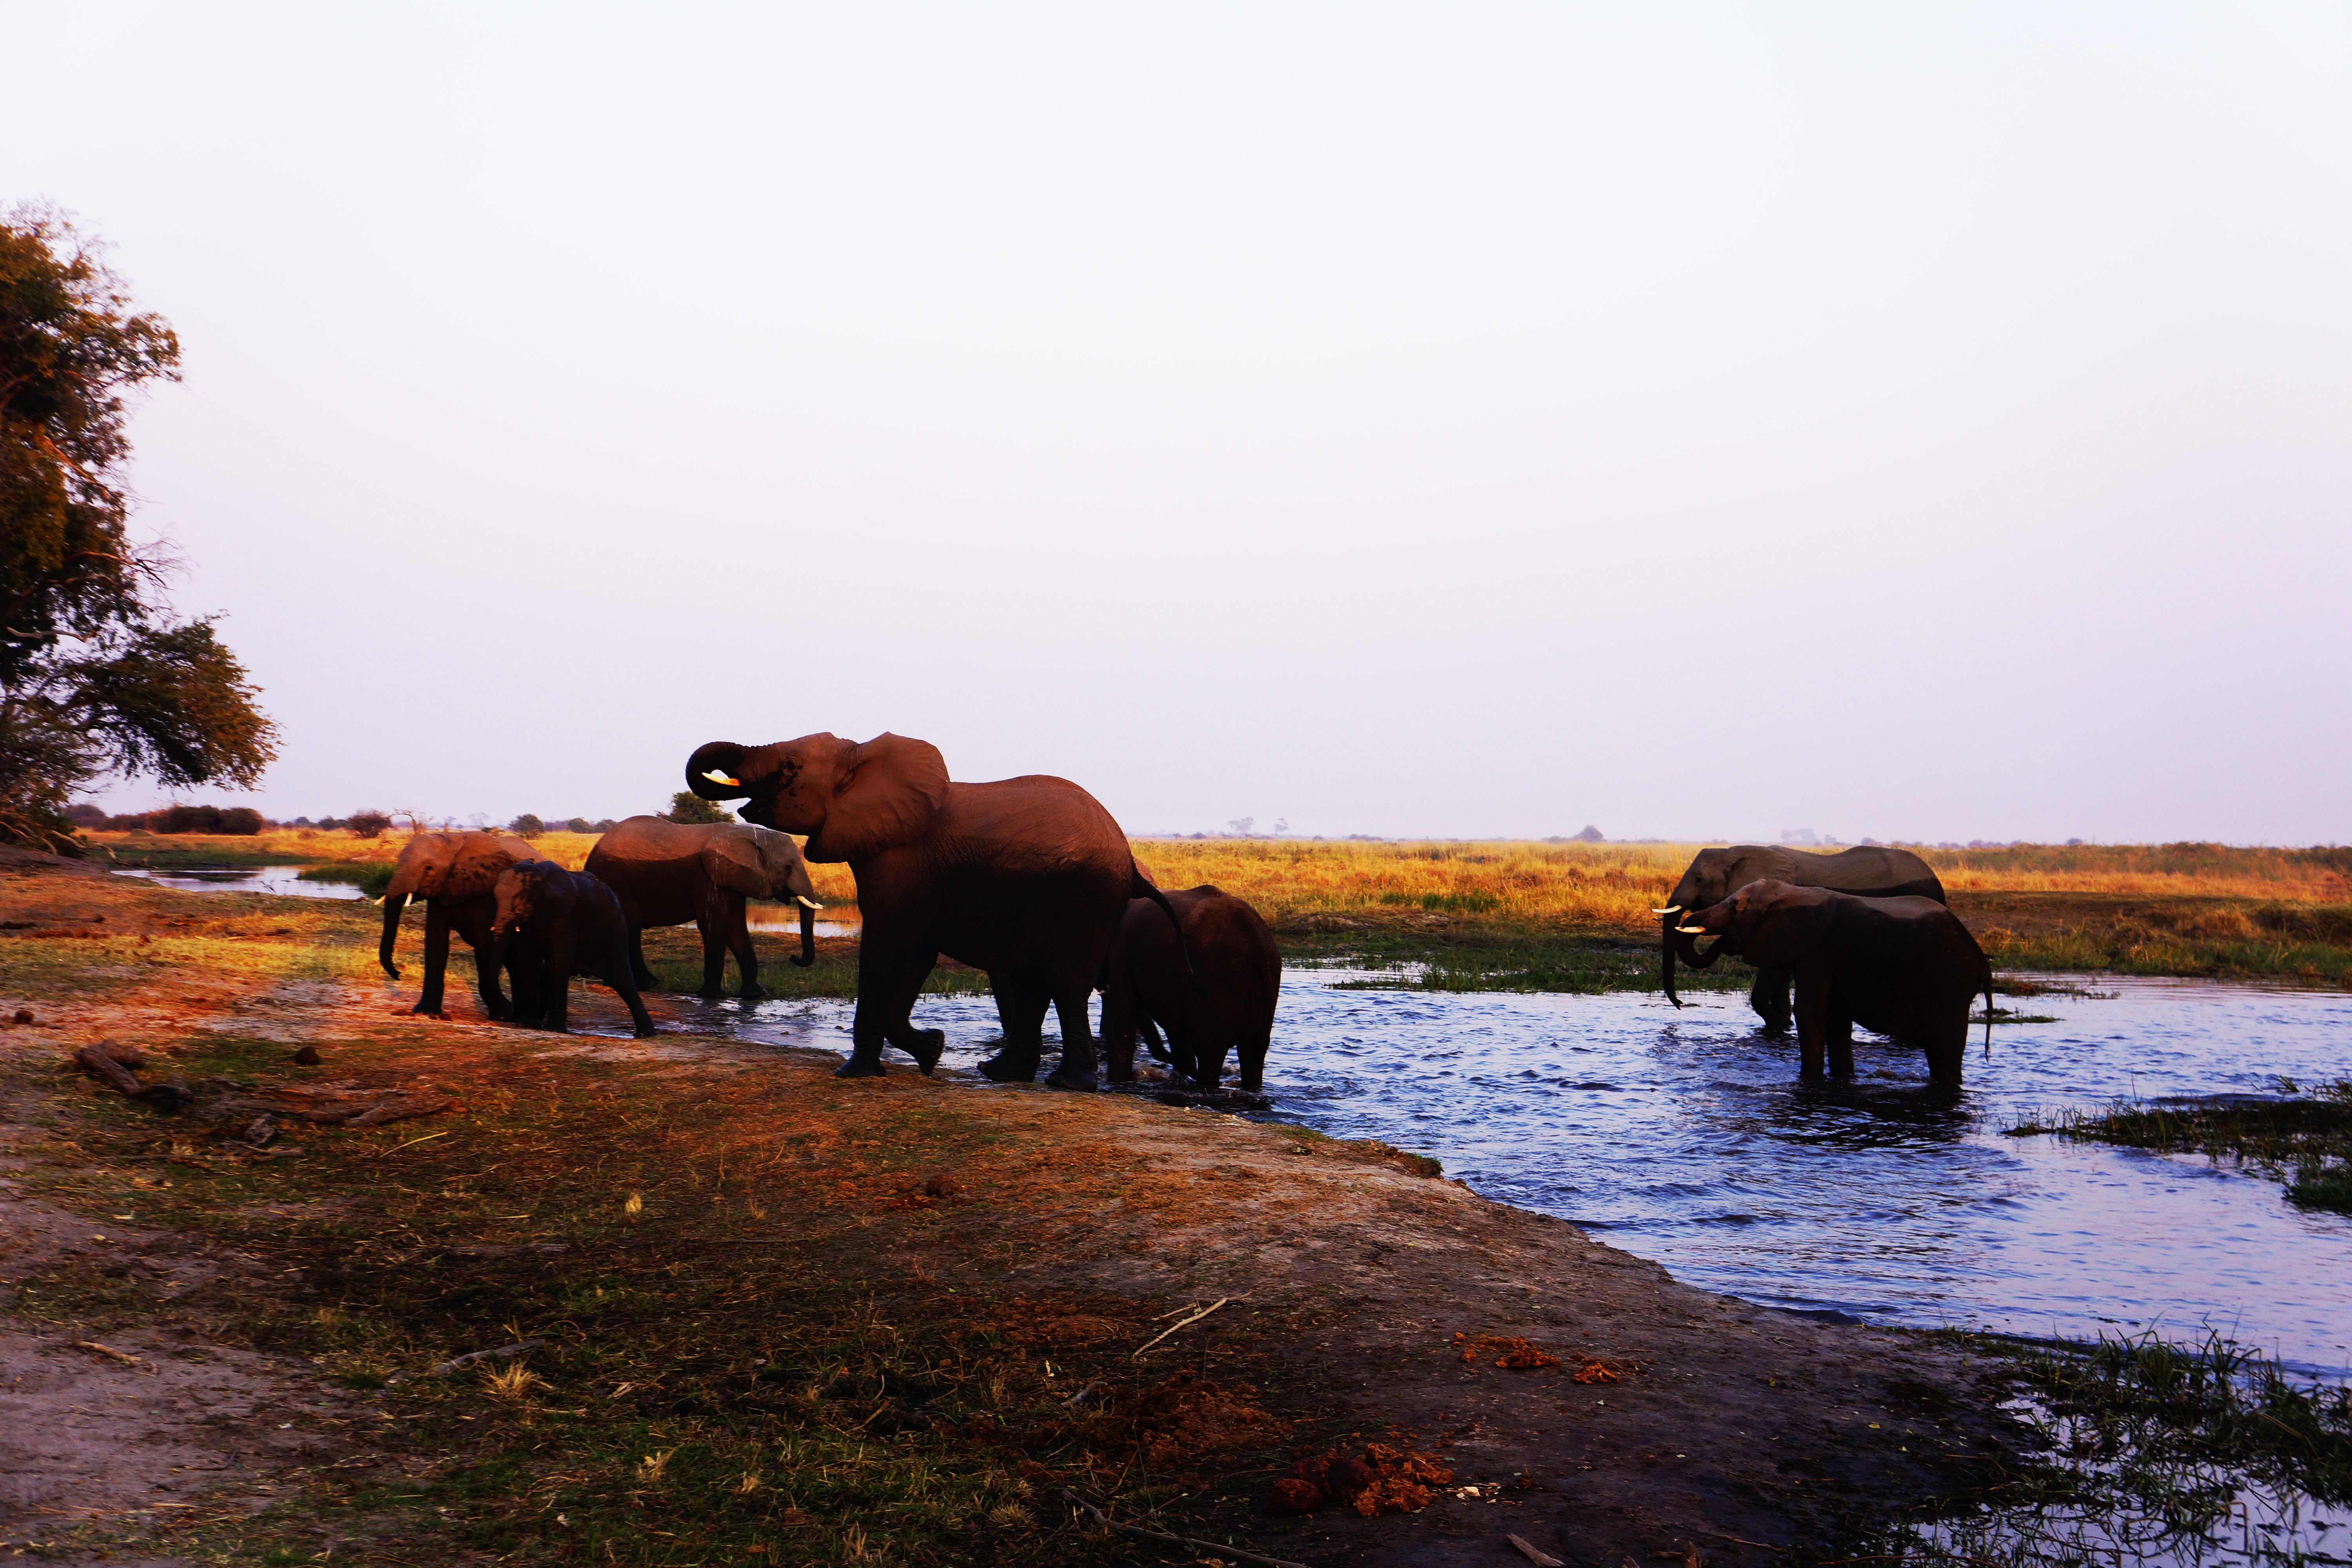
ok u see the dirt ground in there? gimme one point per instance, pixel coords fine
(1677, 1425)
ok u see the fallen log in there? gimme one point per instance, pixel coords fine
(97, 1061)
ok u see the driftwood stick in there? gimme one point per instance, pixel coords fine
(1534, 1553)
(125, 1357)
(1185, 1324)
(1213, 1548)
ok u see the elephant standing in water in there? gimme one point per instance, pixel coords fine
(667, 873)
(554, 924)
(1024, 877)
(454, 873)
(1869, 871)
(1903, 966)
(1230, 1008)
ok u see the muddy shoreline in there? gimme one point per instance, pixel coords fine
(1039, 1239)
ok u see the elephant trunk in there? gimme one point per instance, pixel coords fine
(1667, 947)
(394, 902)
(807, 955)
(1690, 953)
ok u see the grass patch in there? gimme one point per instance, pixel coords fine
(2310, 1134)
(1455, 959)
(731, 1373)
(2152, 1452)
(372, 877)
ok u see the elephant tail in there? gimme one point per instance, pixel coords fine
(1141, 886)
(1987, 983)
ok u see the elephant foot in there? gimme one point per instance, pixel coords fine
(422, 1011)
(860, 1067)
(647, 1033)
(711, 993)
(927, 1045)
(1002, 1068)
(755, 993)
(1077, 1082)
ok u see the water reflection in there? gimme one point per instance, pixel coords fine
(283, 880)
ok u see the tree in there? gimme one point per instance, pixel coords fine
(527, 827)
(690, 808)
(96, 675)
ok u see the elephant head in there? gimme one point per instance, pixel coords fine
(1770, 923)
(454, 867)
(851, 799)
(760, 863)
(1714, 876)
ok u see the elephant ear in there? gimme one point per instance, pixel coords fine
(732, 861)
(478, 861)
(1783, 926)
(886, 793)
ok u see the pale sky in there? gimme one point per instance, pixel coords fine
(1696, 420)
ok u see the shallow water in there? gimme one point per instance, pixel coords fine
(283, 880)
(1687, 1137)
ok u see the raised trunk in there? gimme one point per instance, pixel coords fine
(394, 901)
(807, 955)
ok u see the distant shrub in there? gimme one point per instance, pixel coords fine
(526, 827)
(236, 819)
(690, 808)
(85, 816)
(128, 822)
(579, 825)
(606, 824)
(368, 824)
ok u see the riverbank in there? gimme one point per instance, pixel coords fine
(904, 1319)
(1575, 917)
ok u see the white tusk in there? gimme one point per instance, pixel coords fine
(1669, 910)
(715, 777)
(1693, 930)
(811, 903)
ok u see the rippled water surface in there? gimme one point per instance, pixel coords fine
(1686, 1137)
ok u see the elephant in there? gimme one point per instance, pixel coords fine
(667, 873)
(1869, 871)
(454, 873)
(556, 924)
(1024, 877)
(1144, 982)
(1904, 966)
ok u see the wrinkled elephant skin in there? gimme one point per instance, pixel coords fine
(1904, 966)
(1239, 971)
(1868, 870)
(667, 873)
(1025, 877)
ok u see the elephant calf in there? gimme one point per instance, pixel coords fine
(1906, 967)
(1232, 1006)
(453, 873)
(559, 923)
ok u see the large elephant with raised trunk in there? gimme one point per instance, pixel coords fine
(454, 873)
(667, 873)
(1024, 877)
(1868, 870)
(1903, 966)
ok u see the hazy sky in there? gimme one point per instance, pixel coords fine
(1690, 420)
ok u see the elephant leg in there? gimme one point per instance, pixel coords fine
(1077, 1068)
(624, 985)
(1838, 1034)
(1250, 1058)
(1020, 1004)
(562, 954)
(1812, 1022)
(641, 971)
(738, 937)
(1769, 997)
(485, 964)
(887, 984)
(1121, 1023)
(1151, 1040)
(714, 954)
(436, 960)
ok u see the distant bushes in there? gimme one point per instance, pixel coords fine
(368, 824)
(526, 827)
(690, 808)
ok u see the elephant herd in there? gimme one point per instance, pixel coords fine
(1027, 879)
(1030, 881)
